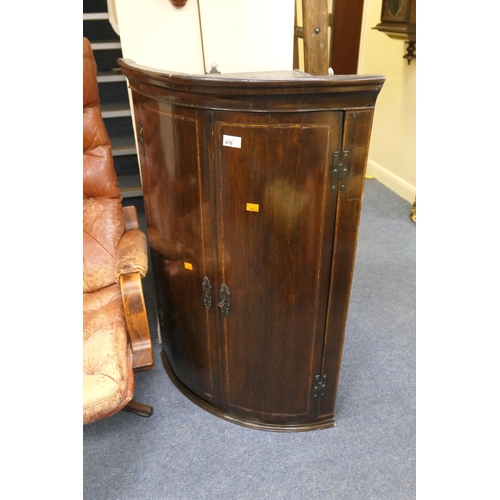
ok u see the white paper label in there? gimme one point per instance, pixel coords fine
(231, 141)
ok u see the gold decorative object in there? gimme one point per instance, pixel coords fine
(413, 213)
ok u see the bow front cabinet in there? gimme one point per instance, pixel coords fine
(252, 187)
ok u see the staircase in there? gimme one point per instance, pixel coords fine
(115, 106)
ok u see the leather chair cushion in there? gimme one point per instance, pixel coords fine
(103, 227)
(99, 177)
(103, 219)
(108, 380)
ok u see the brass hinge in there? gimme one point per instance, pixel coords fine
(339, 169)
(319, 385)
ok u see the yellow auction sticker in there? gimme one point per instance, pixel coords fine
(252, 207)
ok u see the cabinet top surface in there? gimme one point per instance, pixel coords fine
(291, 79)
(280, 91)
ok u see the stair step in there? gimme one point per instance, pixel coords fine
(130, 185)
(123, 145)
(106, 45)
(124, 150)
(95, 6)
(115, 110)
(95, 16)
(126, 165)
(110, 76)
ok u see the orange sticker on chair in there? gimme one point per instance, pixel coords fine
(188, 266)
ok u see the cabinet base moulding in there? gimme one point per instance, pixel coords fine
(214, 410)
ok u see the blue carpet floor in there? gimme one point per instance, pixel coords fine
(184, 453)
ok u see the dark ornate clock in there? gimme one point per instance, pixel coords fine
(398, 21)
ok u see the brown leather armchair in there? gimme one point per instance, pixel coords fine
(116, 337)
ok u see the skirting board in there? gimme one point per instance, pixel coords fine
(392, 181)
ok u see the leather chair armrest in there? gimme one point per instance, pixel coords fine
(132, 254)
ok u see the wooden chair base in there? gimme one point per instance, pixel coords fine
(139, 409)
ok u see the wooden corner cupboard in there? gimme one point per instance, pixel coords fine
(252, 187)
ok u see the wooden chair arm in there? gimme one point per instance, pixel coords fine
(137, 321)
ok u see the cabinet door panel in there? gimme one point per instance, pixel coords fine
(276, 215)
(178, 208)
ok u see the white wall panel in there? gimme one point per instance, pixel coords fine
(154, 33)
(248, 35)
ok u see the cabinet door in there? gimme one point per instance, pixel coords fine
(177, 200)
(275, 222)
(355, 140)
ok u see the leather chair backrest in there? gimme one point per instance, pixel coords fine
(103, 220)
